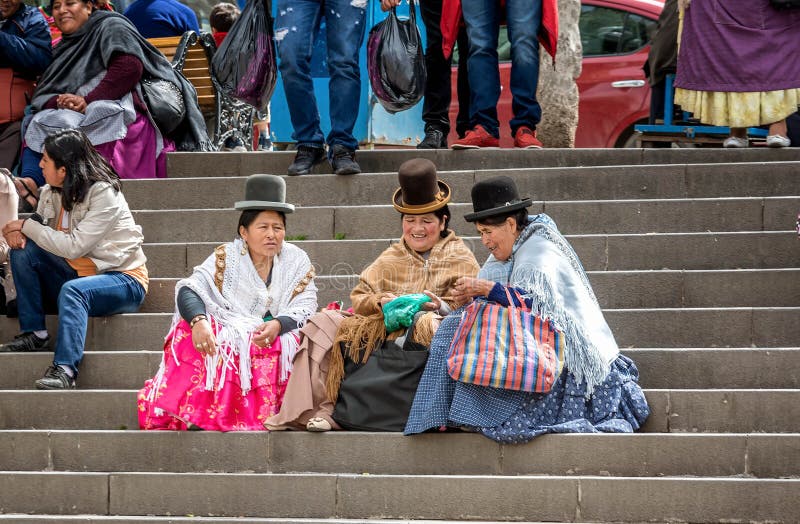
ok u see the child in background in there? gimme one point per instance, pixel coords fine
(222, 17)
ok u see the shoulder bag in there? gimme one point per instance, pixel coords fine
(506, 347)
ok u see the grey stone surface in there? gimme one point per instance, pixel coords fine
(116, 369)
(772, 368)
(81, 409)
(737, 288)
(24, 450)
(54, 493)
(228, 495)
(683, 500)
(684, 328)
(701, 250)
(180, 165)
(775, 327)
(773, 455)
(474, 498)
(745, 179)
(160, 451)
(219, 225)
(735, 411)
(384, 453)
(612, 455)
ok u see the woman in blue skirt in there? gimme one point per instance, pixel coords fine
(597, 390)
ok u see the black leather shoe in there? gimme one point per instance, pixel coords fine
(26, 343)
(434, 139)
(343, 161)
(306, 158)
(55, 378)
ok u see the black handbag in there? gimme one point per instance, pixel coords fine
(785, 4)
(377, 395)
(165, 102)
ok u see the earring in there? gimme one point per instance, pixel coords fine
(244, 248)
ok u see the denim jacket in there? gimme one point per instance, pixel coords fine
(101, 228)
(25, 43)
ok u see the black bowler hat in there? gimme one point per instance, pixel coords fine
(265, 192)
(420, 191)
(495, 196)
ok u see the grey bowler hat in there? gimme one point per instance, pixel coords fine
(265, 192)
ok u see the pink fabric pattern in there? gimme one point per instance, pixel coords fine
(183, 398)
(135, 155)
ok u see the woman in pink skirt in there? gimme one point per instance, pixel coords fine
(228, 354)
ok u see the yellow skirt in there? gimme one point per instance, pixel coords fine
(739, 109)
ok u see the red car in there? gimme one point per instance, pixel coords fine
(614, 94)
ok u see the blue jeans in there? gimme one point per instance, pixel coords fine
(46, 283)
(482, 19)
(295, 28)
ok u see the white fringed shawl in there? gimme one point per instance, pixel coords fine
(544, 265)
(243, 301)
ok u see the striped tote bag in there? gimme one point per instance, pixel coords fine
(506, 347)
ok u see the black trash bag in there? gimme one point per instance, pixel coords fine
(244, 65)
(396, 61)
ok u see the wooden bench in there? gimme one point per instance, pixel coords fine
(191, 55)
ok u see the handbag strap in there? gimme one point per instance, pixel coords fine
(412, 11)
(520, 299)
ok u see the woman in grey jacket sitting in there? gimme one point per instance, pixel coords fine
(81, 251)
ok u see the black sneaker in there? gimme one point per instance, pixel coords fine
(55, 378)
(343, 161)
(434, 139)
(306, 158)
(25, 342)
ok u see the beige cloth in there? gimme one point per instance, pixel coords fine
(398, 270)
(305, 396)
(9, 200)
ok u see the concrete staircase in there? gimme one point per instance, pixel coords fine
(692, 255)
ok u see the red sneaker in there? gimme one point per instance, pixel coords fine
(526, 139)
(476, 138)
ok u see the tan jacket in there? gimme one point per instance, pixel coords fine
(101, 228)
(400, 270)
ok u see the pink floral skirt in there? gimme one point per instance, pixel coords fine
(182, 397)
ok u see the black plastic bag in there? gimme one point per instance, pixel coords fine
(396, 61)
(244, 65)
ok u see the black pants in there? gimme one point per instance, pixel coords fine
(435, 109)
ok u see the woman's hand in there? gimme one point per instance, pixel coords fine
(12, 226)
(266, 333)
(683, 5)
(70, 101)
(388, 297)
(15, 240)
(435, 303)
(467, 287)
(203, 338)
(388, 4)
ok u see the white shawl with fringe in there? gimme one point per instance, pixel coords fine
(544, 265)
(239, 308)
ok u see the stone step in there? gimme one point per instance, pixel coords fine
(540, 498)
(181, 165)
(677, 328)
(96, 519)
(681, 368)
(692, 251)
(573, 217)
(614, 289)
(635, 454)
(672, 410)
(546, 183)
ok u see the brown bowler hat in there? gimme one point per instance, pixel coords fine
(420, 191)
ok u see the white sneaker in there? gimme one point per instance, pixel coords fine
(735, 142)
(778, 141)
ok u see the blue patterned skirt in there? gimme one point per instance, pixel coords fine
(617, 405)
